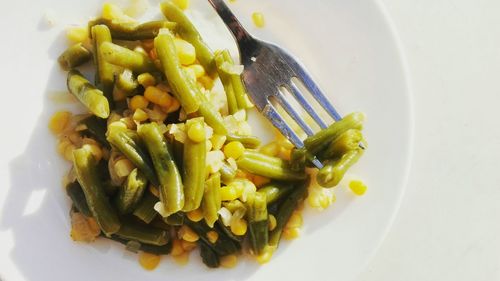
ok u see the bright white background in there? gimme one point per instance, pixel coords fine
(448, 227)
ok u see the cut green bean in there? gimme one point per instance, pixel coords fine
(74, 56)
(208, 255)
(131, 192)
(91, 97)
(97, 201)
(132, 31)
(75, 192)
(170, 183)
(143, 233)
(188, 32)
(153, 249)
(238, 87)
(250, 142)
(105, 75)
(232, 104)
(275, 191)
(96, 128)
(183, 88)
(126, 58)
(227, 173)
(128, 143)
(333, 172)
(175, 219)
(127, 82)
(257, 221)
(223, 246)
(145, 209)
(267, 166)
(194, 162)
(346, 142)
(211, 203)
(212, 116)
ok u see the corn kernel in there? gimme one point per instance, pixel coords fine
(123, 167)
(148, 45)
(285, 153)
(291, 233)
(188, 246)
(59, 121)
(295, 220)
(154, 190)
(239, 227)
(177, 247)
(156, 96)
(197, 69)
(182, 259)
(153, 55)
(185, 51)
(228, 193)
(206, 82)
(272, 222)
(260, 180)
(182, 4)
(266, 255)
(77, 34)
(357, 187)
(83, 229)
(61, 146)
(324, 201)
(208, 145)
(196, 132)
(146, 80)
(195, 215)
(140, 115)
(174, 105)
(96, 151)
(212, 236)
(113, 12)
(138, 101)
(149, 261)
(258, 19)
(188, 234)
(229, 261)
(68, 152)
(234, 150)
(217, 141)
(270, 149)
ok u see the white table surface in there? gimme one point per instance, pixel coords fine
(448, 226)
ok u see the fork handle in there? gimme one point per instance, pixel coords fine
(238, 31)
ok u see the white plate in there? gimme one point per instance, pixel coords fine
(349, 46)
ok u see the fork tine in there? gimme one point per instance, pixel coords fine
(280, 124)
(292, 88)
(293, 113)
(306, 80)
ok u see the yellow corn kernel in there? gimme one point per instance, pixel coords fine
(272, 222)
(188, 234)
(239, 227)
(83, 229)
(212, 236)
(258, 19)
(195, 215)
(270, 149)
(260, 180)
(59, 121)
(140, 115)
(138, 101)
(295, 220)
(357, 187)
(77, 34)
(61, 146)
(149, 261)
(185, 51)
(197, 69)
(177, 248)
(96, 151)
(123, 167)
(75, 138)
(113, 12)
(229, 193)
(182, 4)
(174, 105)
(228, 261)
(324, 201)
(234, 150)
(209, 145)
(182, 259)
(285, 153)
(148, 45)
(217, 141)
(153, 55)
(157, 96)
(188, 246)
(68, 152)
(146, 80)
(266, 255)
(196, 132)
(206, 82)
(291, 233)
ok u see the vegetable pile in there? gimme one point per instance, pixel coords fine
(164, 163)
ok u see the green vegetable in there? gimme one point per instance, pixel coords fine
(346, 142)
(75, 192)
(225, 78)
(85, 167)
(132, 31)
(257, 221)
(250, 142)
(127, 82)
(208, 255)
(211, 203)
(131, 192)
(143, 233)
(145, 209)
(238, 87)
(267, 166)
(153, 249)
(126, 58)
(74, 56)
(275, 191)
(96, 128)
(223, 246)
(91, 97)
(227, 173)
(105, 74)
(333, 172)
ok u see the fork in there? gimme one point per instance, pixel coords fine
(267, 68)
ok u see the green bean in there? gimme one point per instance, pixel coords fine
(145, 209)
(87, 175)
(208, 255)
(175, 219)
(127, 82)
(257, 221)
(333, 172)
(250, 142)
(126, 58)
(188, 32)
(153, 249)
(75, 192)
(227, 173)
(212, 116)
(285, 211)
(143, 233)
(238, 87)
(223, 246)
(346, 142)
(105, 71)
(267, 166)
(316, 143)
(194, 162)
(131, 192)
(74, 56)
(96, 128)
(211, 203)
(91, 97)
(225, 78)
(183, 88)
(275, 191)
(132, 31)
(298, 159)
(170, 183)
(128, 143)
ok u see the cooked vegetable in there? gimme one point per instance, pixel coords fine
(131, 31)
(275, 191)
(143, 233)
(131, 192)
(87, 94)
(257, 221)
(126, 58)
(74, 56)
(75, 192)
(211, 200)
(145, 209)
(105, 72)
(332, 173)
(267, 166)
(250, 142)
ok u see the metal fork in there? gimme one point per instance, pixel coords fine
(267, 68)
